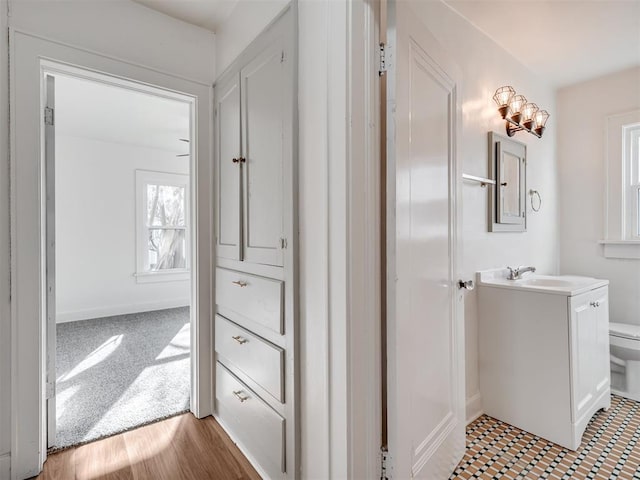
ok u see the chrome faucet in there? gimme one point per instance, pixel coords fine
(516, 273)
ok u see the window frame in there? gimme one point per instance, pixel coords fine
(620, 209)
(631, 185)
(143, 179)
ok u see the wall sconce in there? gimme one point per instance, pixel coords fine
(520, 114)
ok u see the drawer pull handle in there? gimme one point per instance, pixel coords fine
(240, 283)
(595, 304)
(240, 396)
(240, 340)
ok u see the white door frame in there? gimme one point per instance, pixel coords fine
(49, 265)
(52, 69)
(32, 56)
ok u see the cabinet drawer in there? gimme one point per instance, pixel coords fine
(257, 358)
(253, 423)
(258, 299)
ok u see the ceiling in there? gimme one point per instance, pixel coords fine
(207, 14)
(113, 114)
(563, 41)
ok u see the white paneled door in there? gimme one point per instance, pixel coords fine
(266, 119)
(425, 361)
(228, 143)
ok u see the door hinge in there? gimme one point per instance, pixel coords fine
(48, 116)
(383, 60)
(50, 390)
(384, 464)
(283, 243)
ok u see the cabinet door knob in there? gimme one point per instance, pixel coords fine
(467, 285)
(239, 283)
(595, 304)
(235, 160)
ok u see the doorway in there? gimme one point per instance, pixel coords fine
(119, 255)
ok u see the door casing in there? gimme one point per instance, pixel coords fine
(32, 57)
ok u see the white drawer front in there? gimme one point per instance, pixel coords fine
(256, 425)
(258, 299)
(257, 358)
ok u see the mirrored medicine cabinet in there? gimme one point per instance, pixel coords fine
(507, 197)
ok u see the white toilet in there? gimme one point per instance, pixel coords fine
(624, 340)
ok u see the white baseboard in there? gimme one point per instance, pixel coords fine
(242, 448)
(111, 310)
(5, 466)
(474, 407)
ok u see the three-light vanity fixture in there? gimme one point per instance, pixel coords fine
(520, 114)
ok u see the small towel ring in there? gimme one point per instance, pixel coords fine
(535, 193)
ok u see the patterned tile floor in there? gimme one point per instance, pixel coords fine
(610, 450)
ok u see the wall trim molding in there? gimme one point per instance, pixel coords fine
(111, 310)
(474, 407)
(115, 58)
(5, 466)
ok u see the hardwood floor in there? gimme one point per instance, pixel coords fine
(179, 448)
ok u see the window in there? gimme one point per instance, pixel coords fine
(162, 226)
(631, 158)
(622, 225)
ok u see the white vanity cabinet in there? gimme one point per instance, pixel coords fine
(255, 275)
(544, 353)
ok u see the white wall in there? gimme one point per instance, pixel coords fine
(485, 66)
(134, 34)
(582, 111)
(247, 20)
(96, 229)
(123, 30)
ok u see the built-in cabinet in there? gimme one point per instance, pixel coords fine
(254, 123)
(544, 358)
(255, 279)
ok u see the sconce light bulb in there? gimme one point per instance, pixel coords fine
(515, 107)
(541, 118)
(528, 114)
(517, 103)
(529, 110)
(504, 95)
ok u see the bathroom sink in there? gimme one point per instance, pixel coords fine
(568, 285)
(546, 282)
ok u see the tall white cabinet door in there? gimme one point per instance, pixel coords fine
(602, 372)
(228, 166)
(266, 119)
(589, 348)
(583, 354)
(425, 339)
